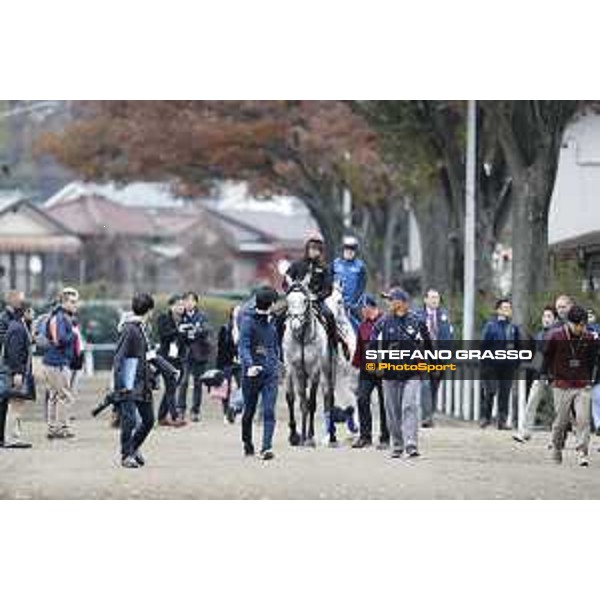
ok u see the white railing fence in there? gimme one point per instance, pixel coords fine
(460, 397)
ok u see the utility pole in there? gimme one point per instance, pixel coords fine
(469, 265)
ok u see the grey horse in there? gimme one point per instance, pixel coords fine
(308, 363)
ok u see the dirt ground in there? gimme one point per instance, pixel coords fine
(204, 461)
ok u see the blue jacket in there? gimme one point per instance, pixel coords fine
(259, 344)
(352, 277)
(60, 351)
(445, 329)
(499, 334)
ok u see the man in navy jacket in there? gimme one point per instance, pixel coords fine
(497, 376)
(440, 329)
(259, 358)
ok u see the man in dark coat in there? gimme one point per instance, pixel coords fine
(132, 382)
(197, 348)
(170, 349)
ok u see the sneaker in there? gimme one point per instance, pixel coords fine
(557, 455)
(179, 422)
(166, 422)
(583, 460)
(412, 452)
(139, 459)
(16, 445)
(195, 417)
(522, 438)
(428, 424)
(396, 453)
(483, 423)
(129, 462)
(249, 450)
(61, 433)
(362, 443)
(383, 445)
(267, 454)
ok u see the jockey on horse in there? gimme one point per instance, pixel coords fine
(350, 273)
(314, 269)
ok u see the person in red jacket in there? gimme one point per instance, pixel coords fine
(570, 356)
(370, 315)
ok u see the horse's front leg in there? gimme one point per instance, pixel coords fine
(312, 408)
(294, 438)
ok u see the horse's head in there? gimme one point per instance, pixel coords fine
(298, 306)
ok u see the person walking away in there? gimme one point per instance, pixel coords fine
(197, 349)
(497, 376)
(370, 315)
(540, 389)
(132, 382)
(57, 360)
(170, 348)
(440, 330)
(570, 357)
(228, 361)
(260, 358)
(350, 273)
(401, 394)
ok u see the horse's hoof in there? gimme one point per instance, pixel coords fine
(310, 443)
(294, 439)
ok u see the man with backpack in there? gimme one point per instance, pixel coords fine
(58, 358)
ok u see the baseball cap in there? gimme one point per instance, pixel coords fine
(396, 293)
(369, 300)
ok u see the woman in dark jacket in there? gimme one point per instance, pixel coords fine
(132, 381)
(17, 358)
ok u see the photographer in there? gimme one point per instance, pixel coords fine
(131, 382)
(195, 332)
(170, 349)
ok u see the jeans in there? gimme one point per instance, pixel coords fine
(429, 391)
(3, 411)
(402, 408)
(168, 403)
(133, 433)
(194, 371)
(265, 386)
(365, 419)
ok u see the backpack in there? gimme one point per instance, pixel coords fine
(40, 332)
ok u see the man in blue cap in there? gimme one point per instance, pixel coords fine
(370, 315)
(401, 394)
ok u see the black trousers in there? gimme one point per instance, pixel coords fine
(168, 402)
(133, 433)
(496, 382)
(3, 412)
(365, 419)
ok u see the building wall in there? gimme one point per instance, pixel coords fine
(575, 206)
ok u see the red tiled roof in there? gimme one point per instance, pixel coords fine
(93, 215)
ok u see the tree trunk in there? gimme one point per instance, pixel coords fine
(432, 219)
(529, 240)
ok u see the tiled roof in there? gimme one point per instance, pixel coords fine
(93, 215)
